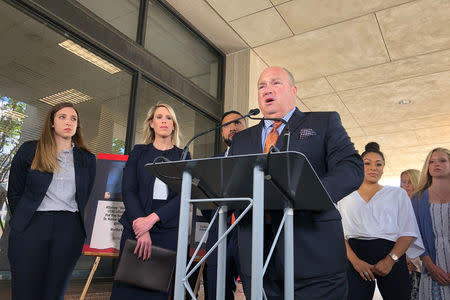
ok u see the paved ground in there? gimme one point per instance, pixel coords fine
(100, 289)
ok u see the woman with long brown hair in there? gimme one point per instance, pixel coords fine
(49, 185)
(151, 208)
(432, 207)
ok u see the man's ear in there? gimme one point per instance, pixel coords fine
(295, 90)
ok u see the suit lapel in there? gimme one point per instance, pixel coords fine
(46, 180)
(255, 138)
(148, 157)
(294, 122)
(297, 119)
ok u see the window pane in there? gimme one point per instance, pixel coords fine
(122, 14)
(181, 49)
(39, 67)
(190, 121)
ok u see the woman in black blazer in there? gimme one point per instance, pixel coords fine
(151, 209)
(49, 185)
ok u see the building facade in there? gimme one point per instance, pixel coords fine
(114, 60)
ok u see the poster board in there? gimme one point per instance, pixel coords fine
(199, 224)
(105, 207)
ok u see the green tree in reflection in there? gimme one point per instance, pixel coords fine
(11, 120)
(118, 146)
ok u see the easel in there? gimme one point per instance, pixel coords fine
(98, 255)
(200, 275)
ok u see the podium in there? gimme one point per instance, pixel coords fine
(257, 182)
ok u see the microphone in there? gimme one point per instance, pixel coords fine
(286, 135)
(252, 112)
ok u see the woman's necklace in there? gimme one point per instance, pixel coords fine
(441, 199)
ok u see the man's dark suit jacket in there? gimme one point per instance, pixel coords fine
(318, 236)
(232, 256)
(27, 188)
(214, 231)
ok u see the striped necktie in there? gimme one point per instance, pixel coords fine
(272, 137)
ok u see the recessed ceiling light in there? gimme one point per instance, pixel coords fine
(72, 96)
(404, 102)
(14, 114)
(89, 56)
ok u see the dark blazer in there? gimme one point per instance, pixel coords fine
(27, 188)
(318, 236)
(137, 189)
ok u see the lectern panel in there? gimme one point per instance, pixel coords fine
(289, 178)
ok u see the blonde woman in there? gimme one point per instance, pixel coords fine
(409, 181)
(432, 208)
(151, 209)
(49, 185)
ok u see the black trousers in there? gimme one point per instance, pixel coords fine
(43, 256)
(232, 272)
(396, 285)
(326, 287)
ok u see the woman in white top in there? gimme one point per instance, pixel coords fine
(379, 227)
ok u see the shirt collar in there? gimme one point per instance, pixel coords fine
(268, 123)
(66, 152)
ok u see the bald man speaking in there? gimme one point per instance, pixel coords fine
(319, 254)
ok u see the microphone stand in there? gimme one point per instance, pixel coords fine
(252, 112)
